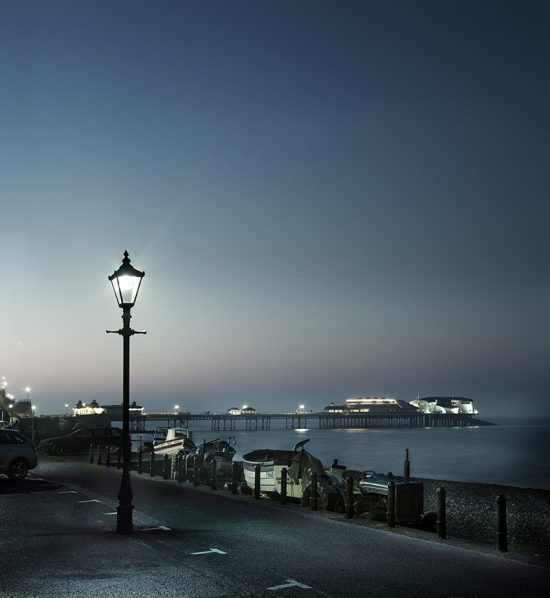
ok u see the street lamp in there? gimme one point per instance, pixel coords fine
(126, 282)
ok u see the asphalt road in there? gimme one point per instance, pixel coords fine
(57, 539)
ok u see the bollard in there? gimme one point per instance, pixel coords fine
(349, 497)
(390, 514)
(166, 468)
(99, 454)
(108, 455)
(152, 463)
(196, 472)
(91, 453)
(406, 466)
(314, 499)
(140, 460)
(257, 477)
(234, 477)
(441, 514)
(502, 528)
(213, 474)
(284, 477)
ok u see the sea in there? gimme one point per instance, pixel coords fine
(513, 452)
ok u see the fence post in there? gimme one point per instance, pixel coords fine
(257, 479)
(390, 515)
(313, 499)
(349, 497)
(152, 464)
(441, 514)
(284, 479)
(99, 451)
(502, 528)
(91, 452)
(406, 466)
(166, 467)
(108, 455)
(140, 460)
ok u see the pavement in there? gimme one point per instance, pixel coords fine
(57, 539)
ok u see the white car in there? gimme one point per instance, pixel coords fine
(17, 454)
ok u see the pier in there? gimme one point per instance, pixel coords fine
(318, 420)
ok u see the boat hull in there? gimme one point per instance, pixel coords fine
(271, 464)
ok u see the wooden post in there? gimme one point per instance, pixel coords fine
(166, 468)
(140, 460)
(284, 479)
(349, 497)
(91, 453)
(108, 455)
(99, 448)
(441, 514)
(502, 527)
(152, 463)
(234, 477)
(196, 472)
(390, 514)
(314, 499)
(213, 474)
(257, 479)
(406, 466)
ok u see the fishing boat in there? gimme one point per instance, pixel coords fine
(298, 463)
(174, 441)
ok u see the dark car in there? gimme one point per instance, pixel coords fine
(80, 440)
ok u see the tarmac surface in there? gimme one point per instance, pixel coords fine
(57, 539)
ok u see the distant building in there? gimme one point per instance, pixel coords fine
(244, 410)
(91, 408)
(445, 405)
(373, 405)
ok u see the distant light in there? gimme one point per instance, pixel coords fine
(245, 406)
(301, 407)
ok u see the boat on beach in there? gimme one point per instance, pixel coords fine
(174, 441)
(298, 462)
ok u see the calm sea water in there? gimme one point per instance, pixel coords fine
(514, 452)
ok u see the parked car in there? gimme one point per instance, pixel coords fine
(17, 454)
(80, 440)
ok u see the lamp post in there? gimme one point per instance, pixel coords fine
(126, 282)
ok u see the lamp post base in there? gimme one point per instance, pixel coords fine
(124, 520)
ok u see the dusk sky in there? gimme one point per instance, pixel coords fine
(329, 199)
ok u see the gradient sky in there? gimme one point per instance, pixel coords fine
(329, 199)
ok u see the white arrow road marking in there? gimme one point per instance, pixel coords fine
(161, 527)
(91, 500)
(211, 551)
(290, 583)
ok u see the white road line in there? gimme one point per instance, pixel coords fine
(91, 500)
(211, 551)
(152, 529)
(67, 492)
(290, 583)
(113, 513)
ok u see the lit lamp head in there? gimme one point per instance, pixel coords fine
(126, 282)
